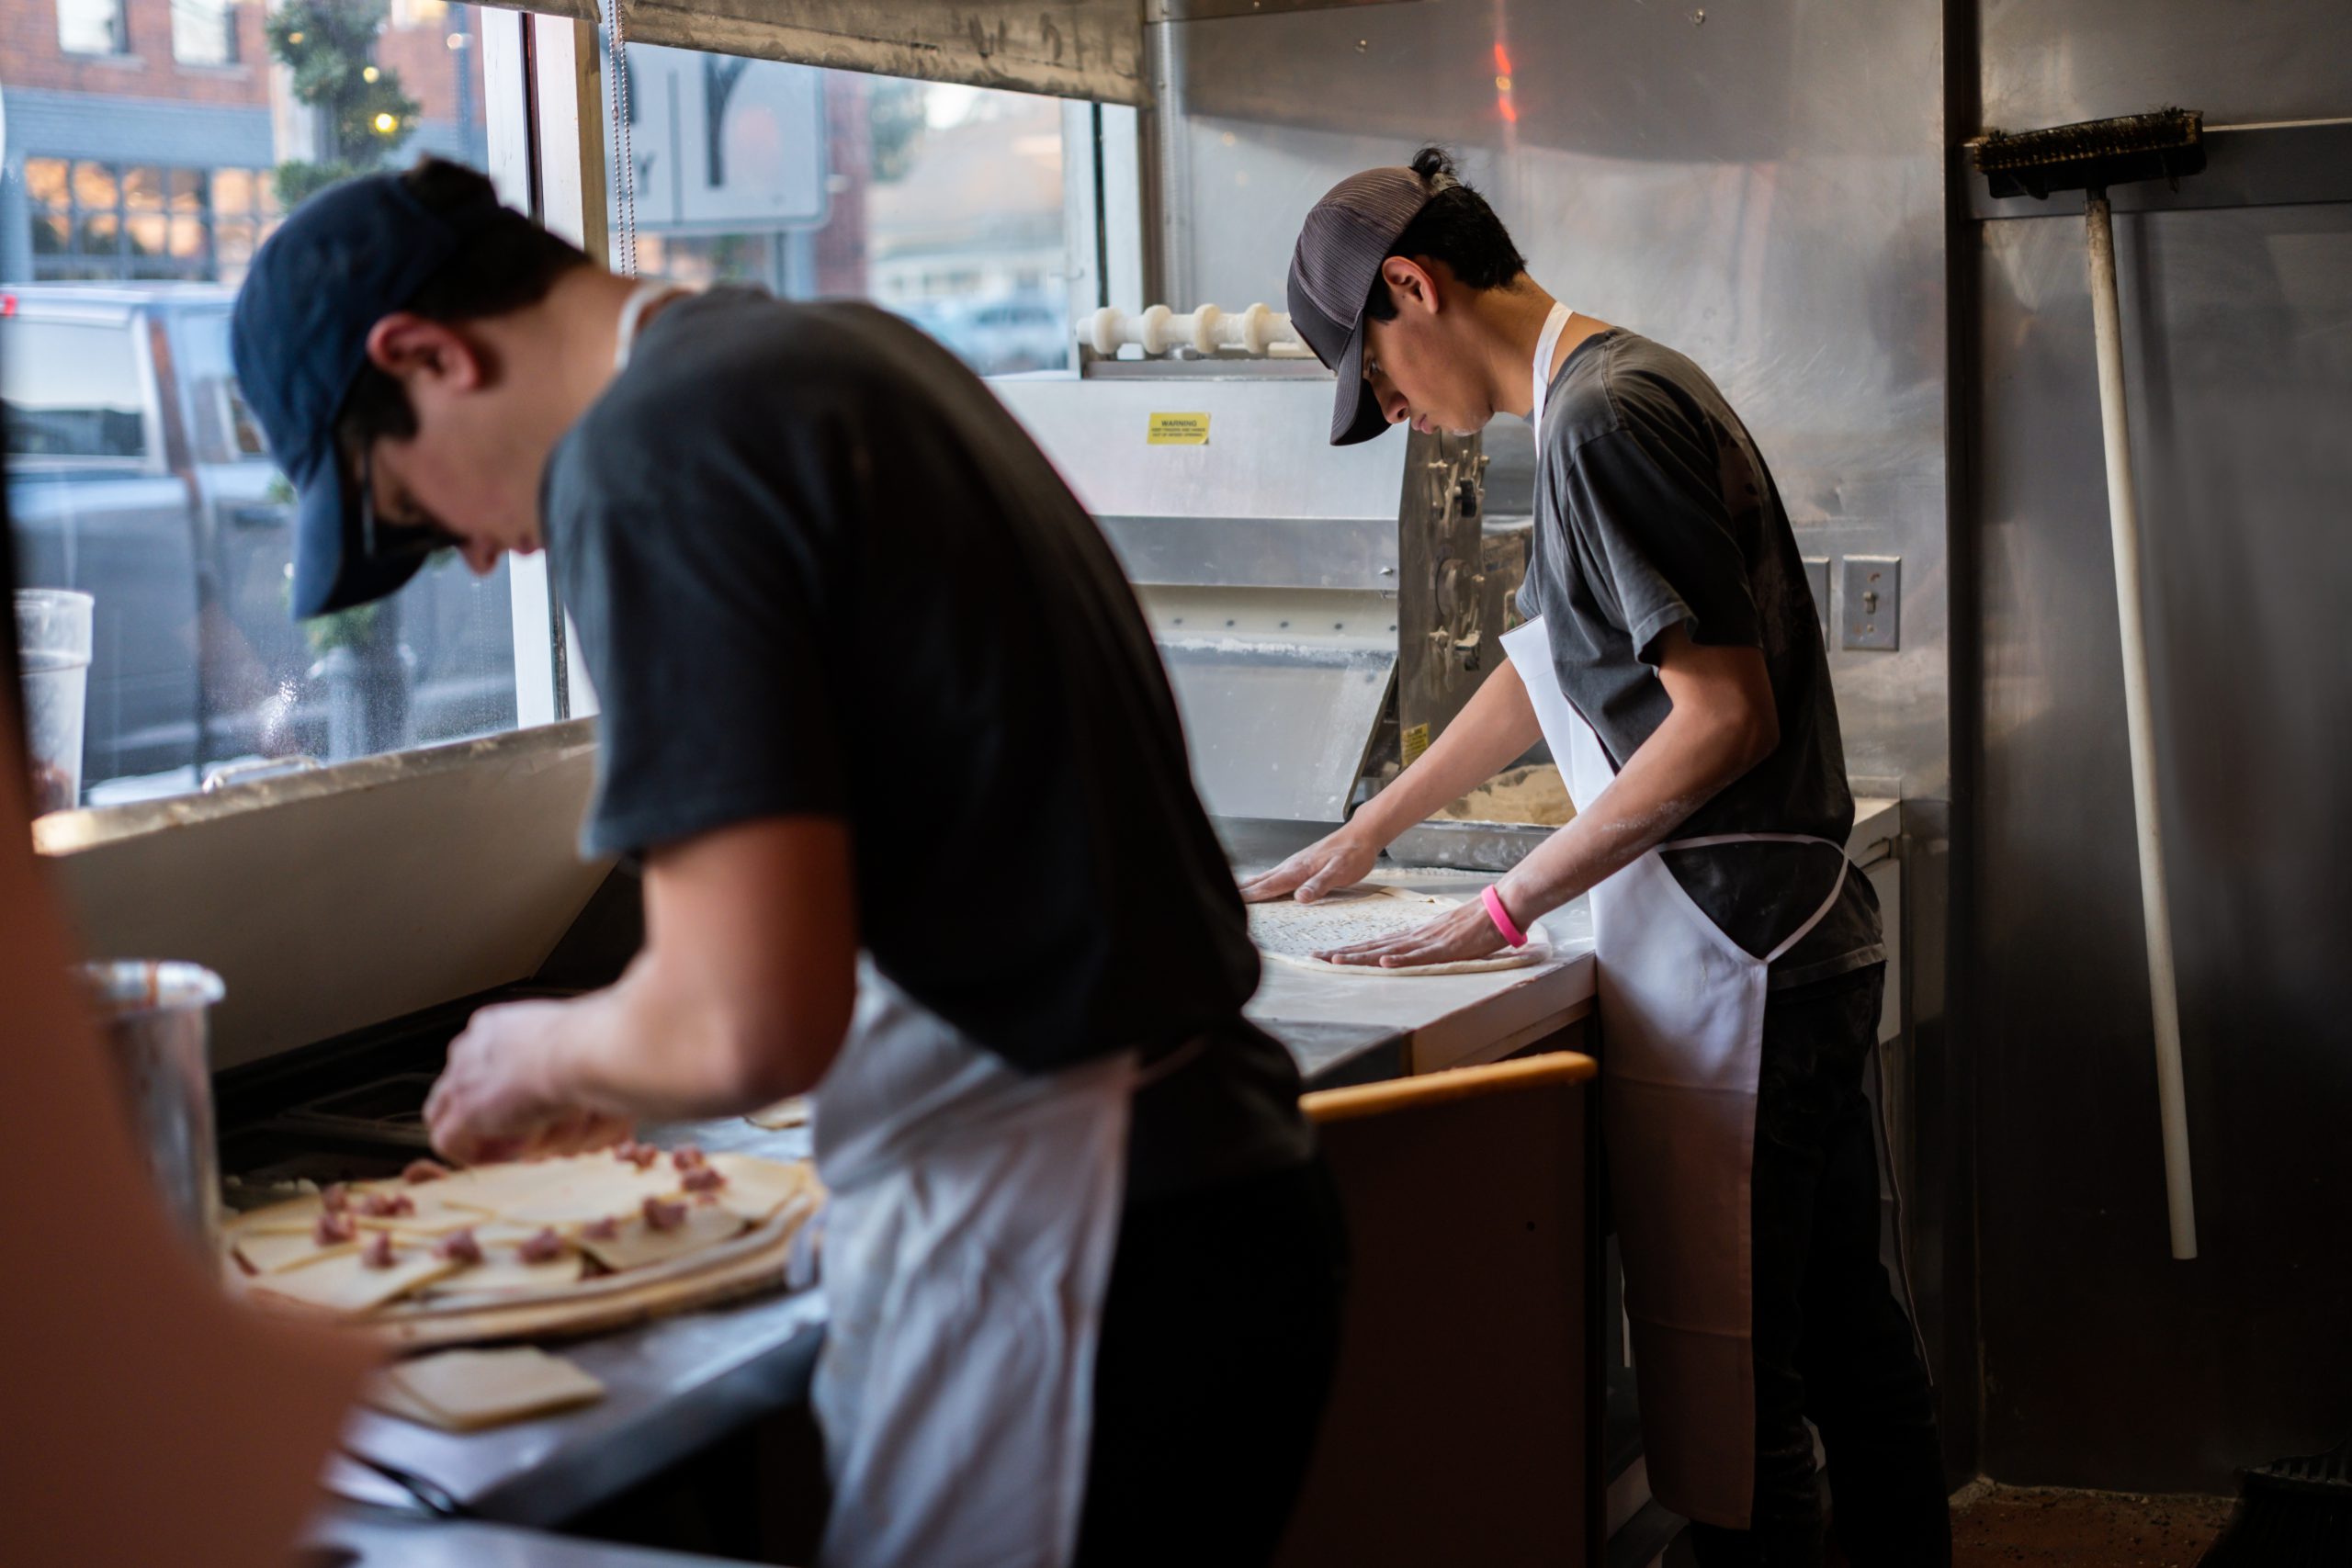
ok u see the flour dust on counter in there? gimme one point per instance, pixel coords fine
(1291, 933)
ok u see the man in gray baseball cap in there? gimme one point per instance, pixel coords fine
(1672, 661)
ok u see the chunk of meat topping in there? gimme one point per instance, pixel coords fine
(335, 1199)
(377, 1253)
(387, 1205)
(689, 1158)
(458, 1246)
(604, 1229)
(544, 1247)
(335, 1228)
(703, 1179)
(421, 1170)
(663, 1215)
(641, 1155)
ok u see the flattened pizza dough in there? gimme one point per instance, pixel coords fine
(1291, 933)
(345, 1283)
(756, 1188)
(272, 1252)
(639, 1244)
(465, 1391)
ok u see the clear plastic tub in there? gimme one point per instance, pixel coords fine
(156, 1021)
(53, 647)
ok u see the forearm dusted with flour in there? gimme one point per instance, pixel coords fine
(1723, 724)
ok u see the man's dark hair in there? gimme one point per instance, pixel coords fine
(507, 263)
(1457, 228)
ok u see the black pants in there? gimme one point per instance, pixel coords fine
(1219, 1333)
(1832, 1343)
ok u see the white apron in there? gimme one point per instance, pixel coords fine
(968, 1238)
(972, 1217)
(1681, 1033)
(1681, 1029)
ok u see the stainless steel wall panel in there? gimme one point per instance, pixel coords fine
(2052, 64)
(2108, 1364)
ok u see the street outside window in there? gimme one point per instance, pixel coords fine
(133, 197)
(941, 202)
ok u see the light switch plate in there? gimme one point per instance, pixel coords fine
(1816, 572)
(1869, 608)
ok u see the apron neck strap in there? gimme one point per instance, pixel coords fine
(1553, 325)
(634, 310)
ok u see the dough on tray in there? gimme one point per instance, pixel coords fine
(1291, 933)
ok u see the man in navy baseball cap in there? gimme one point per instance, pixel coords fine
(326, 316)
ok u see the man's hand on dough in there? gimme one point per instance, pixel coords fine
(1324, 867)
(496, 1098)
(1458, 935)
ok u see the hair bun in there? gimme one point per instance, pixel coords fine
(1435, 164)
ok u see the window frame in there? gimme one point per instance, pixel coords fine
(120, 28)
(225, 19)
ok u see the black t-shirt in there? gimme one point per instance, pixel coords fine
(1653, 509)
(817, 568)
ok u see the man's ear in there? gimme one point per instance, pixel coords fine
(409, 347)
(1409, 283)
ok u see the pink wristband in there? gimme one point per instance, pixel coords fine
(1501, 917)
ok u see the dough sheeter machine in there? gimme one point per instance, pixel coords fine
(1324, 612)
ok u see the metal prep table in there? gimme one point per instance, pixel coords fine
(676, 1384)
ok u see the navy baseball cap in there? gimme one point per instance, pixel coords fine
(1332, 269)
(347, 258)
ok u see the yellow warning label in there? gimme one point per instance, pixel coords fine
(1417, 741)
(1178, 430)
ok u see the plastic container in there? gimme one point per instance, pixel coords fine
(155, 1017)
(53, 647)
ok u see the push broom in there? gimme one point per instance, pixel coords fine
(2292, 1511)
(2091, 157)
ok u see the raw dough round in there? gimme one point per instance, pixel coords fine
(1291, 933)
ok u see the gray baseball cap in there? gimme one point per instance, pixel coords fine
(1339, 249)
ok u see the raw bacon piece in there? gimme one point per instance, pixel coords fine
(544, 1247)
(335, 1228)
(689, 1158)
(458, 1246)
(703, 1179)
(377, 1253)
(387, 1205)
(663, 1215)
(604, 1229)
(335, 1199)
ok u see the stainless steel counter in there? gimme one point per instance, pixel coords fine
(679, 1384)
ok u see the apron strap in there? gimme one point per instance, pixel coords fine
(1799, 934)
(1710, 841)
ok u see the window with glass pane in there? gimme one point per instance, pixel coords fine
(90, 27)
(204, 32)
(943, 203)
(134, 197)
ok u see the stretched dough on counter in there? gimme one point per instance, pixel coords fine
(1290, 933)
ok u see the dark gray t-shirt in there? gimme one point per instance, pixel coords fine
(817, 568)
(1653, 509)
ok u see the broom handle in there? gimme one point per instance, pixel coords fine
(2139, 724)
